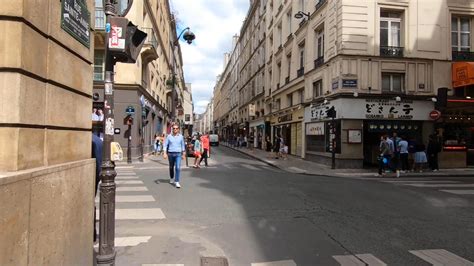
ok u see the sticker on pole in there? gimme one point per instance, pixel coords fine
(116, 41)
(107, 27)
(108, 88)
(109, 126)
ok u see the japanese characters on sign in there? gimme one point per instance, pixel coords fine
(388, 109)
(315, 129)
(319, 112)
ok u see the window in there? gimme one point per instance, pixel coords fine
(279, 32)
(317, 88)
(288, 21)
(460, 34)
(277, 104)
(98, 65)
(302, 56)
(393, 82)
(288, 60)
(390, 29)
(289, 99)
(302, 5)
(320, 43)
(301, 96)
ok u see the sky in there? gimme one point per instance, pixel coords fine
(214, 22)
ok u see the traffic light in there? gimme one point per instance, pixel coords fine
(125, 40)
(442, 98)
(128, 120)
(331, 112)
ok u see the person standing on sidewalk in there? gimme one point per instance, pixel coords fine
(432, 152)
(403, 149)
(385, 154)
(205, 148)
(174, 150)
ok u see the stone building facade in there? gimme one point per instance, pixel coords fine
(379, 64)
(46, 175)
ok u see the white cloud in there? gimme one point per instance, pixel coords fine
(214, 22)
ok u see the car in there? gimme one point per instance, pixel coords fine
(214, 140)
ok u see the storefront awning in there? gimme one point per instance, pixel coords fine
(462, 74)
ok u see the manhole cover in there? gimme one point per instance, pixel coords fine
(214, 261)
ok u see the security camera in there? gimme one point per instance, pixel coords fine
(95, 96)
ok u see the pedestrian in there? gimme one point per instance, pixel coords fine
(174, 150)
(276, 146)
(197, 151)
(205, 149)
(97, 147)
(420, 157)
(268, 146)
(385, 154)
(157, 144)
(395, 154)
(403, 150)
(284, 152)
(432, 153)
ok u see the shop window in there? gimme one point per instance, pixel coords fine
(393, 82)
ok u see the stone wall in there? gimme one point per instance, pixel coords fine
(46, 174)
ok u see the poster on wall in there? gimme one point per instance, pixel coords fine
(315, 129)
(354, 136)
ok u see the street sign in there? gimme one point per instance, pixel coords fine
(75, 20)
(435, 114)
(130, 110)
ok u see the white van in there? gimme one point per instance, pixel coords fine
(213, 139)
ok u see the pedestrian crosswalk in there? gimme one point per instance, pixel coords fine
(447, 186)
(436, 257)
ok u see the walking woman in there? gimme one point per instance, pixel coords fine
(197, 150)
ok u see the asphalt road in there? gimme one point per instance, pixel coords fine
(249, 212)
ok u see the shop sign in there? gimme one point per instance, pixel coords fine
(75, 20)
(315, 129)
(388, 109)
(435, 114)
(251, 109)
(319, 112)
(285, 118)
(349, 83)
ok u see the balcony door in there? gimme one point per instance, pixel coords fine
(390, 24)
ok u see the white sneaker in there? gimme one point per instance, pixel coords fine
(177, 185)
(171, 181)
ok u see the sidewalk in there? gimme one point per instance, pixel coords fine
(297, 165)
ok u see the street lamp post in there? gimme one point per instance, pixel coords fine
(188, 37)
(106, 254)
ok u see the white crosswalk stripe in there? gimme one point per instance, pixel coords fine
(122, 189)
(122, 177)
(132, 198)
(275, 263)
(359, 260)
(138, 214)
(271, 169)
(441, 185)
(162, 264)
(127, 182)
(124, 167)
(440, 257)
(403, 182)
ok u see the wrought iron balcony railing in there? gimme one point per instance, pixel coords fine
(463, 56)
(318, 62)
(391, 51)
(300, 72)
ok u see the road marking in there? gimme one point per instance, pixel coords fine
(459, 192)
(127, 182)
(133, 198)
(441, 185)
(123, 167)
(271, 169)
(275, 263)
(248, 166)
(439, 257)
(132, 189)
(359, 260)
(122, 177)
(137, 214)
(228, 166)
(129, 241)
(162, 264)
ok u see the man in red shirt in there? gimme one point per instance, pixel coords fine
(205, 146)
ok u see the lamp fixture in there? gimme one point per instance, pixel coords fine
(325, 101)
(434, 99)
(301, 14)
(356, 94)
(398, 98)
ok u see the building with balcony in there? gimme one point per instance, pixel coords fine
(378, 63)
(147, 85)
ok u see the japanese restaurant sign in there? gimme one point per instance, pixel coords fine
(376, 109)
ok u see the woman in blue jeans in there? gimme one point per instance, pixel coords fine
(174, 150)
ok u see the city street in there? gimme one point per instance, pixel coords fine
(251, 213)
